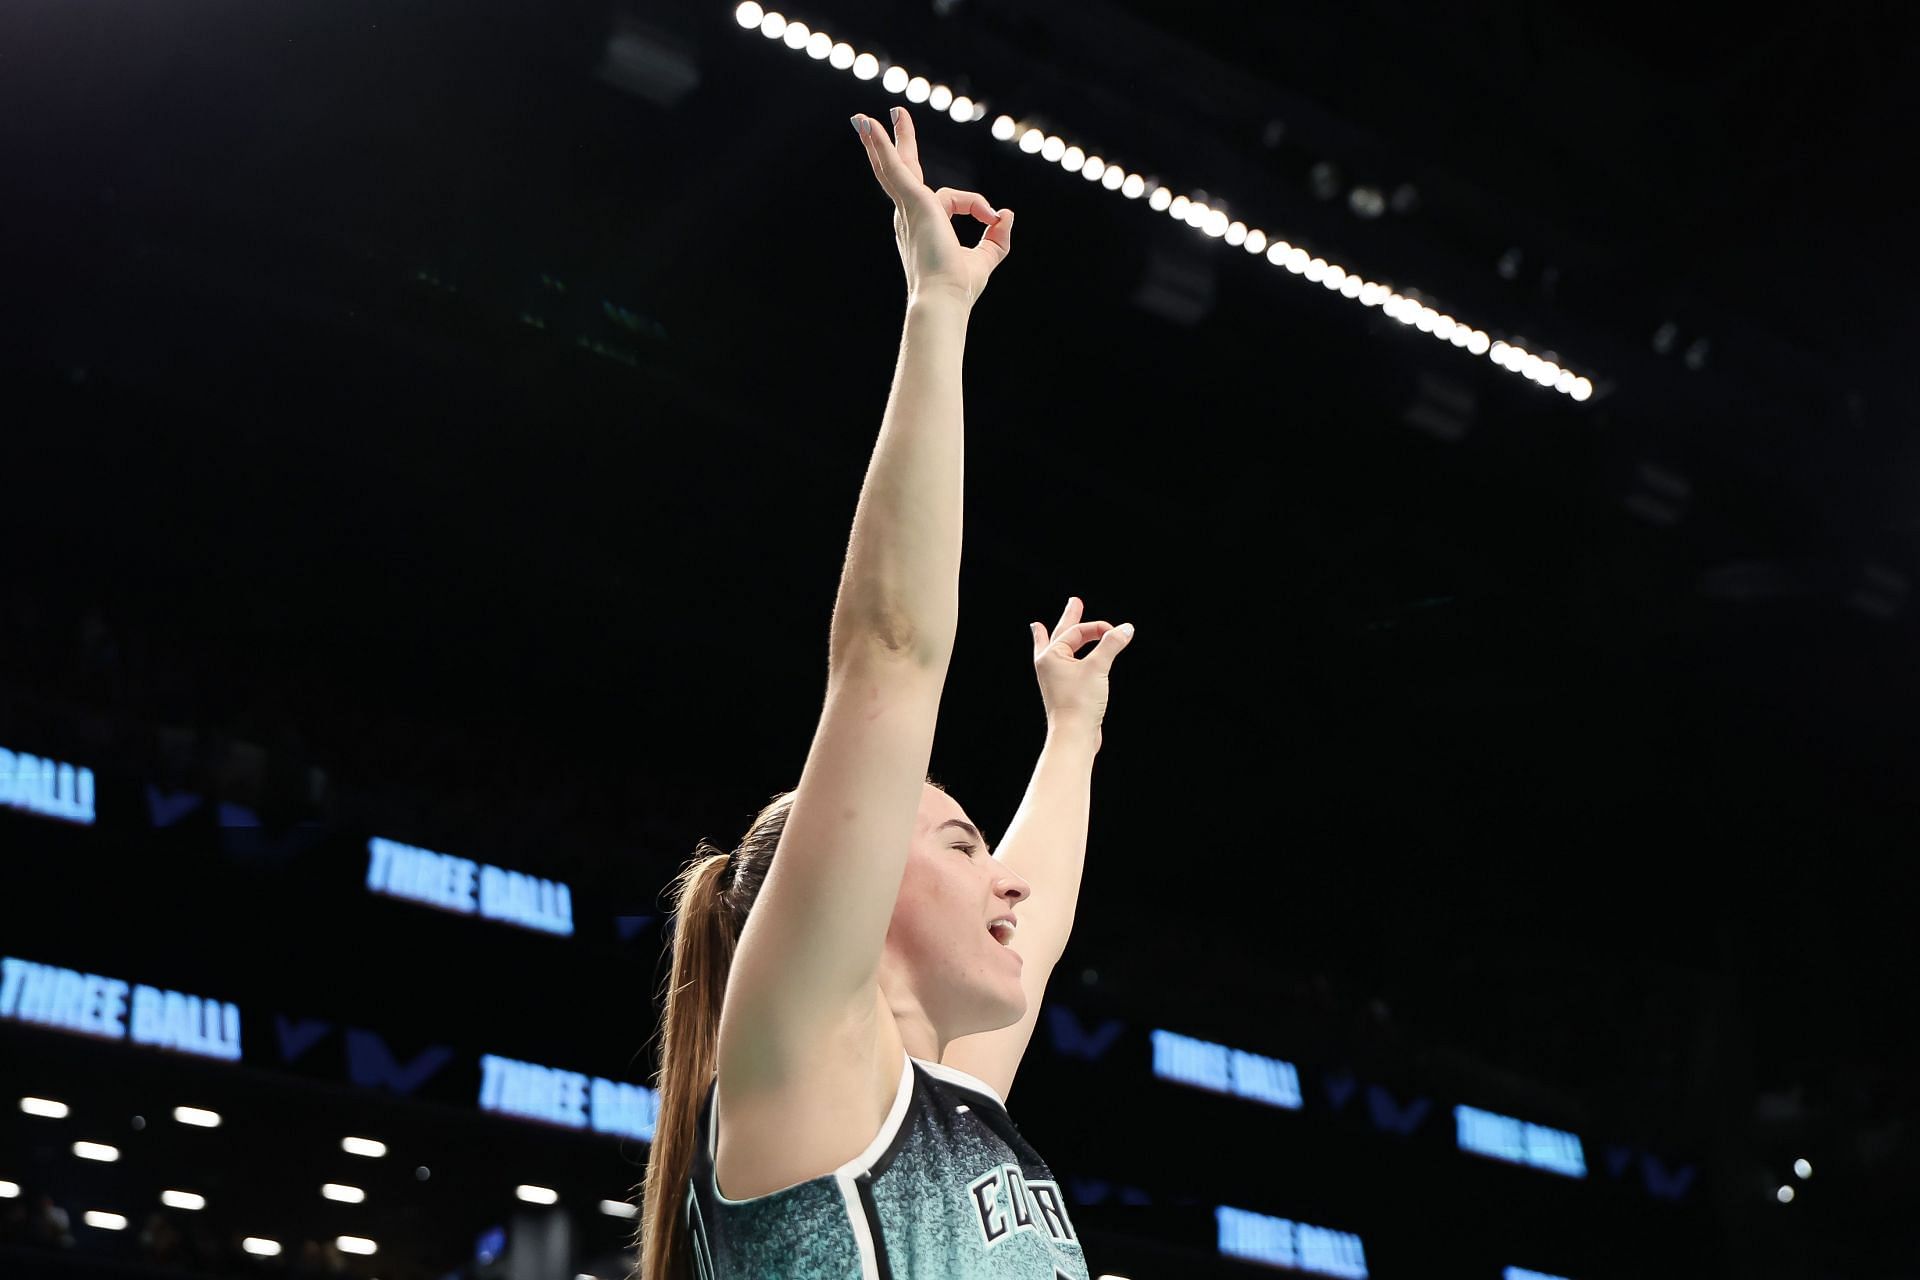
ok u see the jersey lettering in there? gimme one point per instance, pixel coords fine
(1024, 1206)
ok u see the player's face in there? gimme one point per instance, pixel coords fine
(966, 980)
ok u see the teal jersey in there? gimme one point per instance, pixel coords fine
(947, 1190)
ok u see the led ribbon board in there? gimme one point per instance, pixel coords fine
(1279, 1242)
(90, 1005)
(1501, 1137)
(529, 1091)
(469, 888)
(49, 788)
(1521, 1273)
(1204, 1065)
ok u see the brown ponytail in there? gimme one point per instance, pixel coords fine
(708, 903)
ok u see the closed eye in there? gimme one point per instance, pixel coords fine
(969, 848)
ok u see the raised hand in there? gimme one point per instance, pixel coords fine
(930, 251)
(1075, 689)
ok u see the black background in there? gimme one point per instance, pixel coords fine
(388, 387)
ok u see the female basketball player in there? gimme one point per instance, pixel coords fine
(846, 1009)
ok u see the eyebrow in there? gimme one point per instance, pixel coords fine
(964, 826)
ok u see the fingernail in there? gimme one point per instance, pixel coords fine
(1125, 629)
(859, 125)
(894, 113)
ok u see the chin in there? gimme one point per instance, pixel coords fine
(1006, 1009)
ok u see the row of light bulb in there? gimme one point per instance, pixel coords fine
(1195, 213)
(199, 1117)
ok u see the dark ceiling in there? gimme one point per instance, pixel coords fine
(1738, 165)
(371, 363)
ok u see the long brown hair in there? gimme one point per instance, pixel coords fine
(708, 903)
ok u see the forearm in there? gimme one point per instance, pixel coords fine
(901, 581)
(1047, 840)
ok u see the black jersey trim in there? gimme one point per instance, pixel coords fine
(863, 1184)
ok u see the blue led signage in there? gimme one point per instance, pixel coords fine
(529, 1091)
(49, 788)
(87, 1004)
(470, 888)
(1279, 1242)
(1204, 1065)
(1501, 1137)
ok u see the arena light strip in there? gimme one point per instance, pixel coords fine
(840, 55)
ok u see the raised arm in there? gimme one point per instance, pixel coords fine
(901, 583)
(808, 959)
(1046, 843)
(900, 587)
